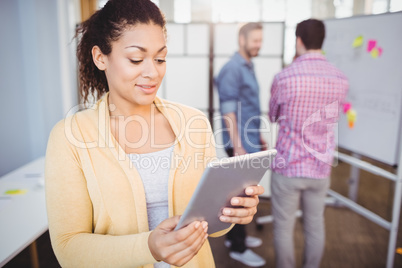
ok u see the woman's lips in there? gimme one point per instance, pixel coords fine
(147, 89)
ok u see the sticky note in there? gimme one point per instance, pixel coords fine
(379, 51)
(351, 124)
(358, 42)
(351, 115)
(346, 107)
(371, 44)
(16, 191)
(374, 53)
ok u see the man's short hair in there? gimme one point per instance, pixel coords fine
(311, 32)
(247, 28)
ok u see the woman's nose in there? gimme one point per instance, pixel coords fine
(150, 69)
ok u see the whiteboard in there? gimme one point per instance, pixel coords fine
(375, 83)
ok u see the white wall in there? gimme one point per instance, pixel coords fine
(14, 141)
(31, 79)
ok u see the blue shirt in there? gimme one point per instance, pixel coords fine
(239, 93)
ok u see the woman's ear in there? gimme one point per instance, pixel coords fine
(98, 58)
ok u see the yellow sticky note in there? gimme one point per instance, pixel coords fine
(358, 42)
(374, 53)
(16, 191)
(351, 115)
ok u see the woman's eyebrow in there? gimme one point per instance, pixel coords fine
(144, 49)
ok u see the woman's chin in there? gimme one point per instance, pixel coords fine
(145, 100)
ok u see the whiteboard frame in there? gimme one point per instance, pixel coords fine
(356, 163)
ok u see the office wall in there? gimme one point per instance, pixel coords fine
(31, 75)
(14, 137)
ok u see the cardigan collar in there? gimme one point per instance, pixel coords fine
(171, 112)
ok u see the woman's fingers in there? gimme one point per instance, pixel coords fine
(244, 207)
(177, 247)
(239, 212)
(243, 214)
(236, 220)
(254, 190)
(238, 215)
(187, 249)
(185, 238)
(245, 201)
(183, 257)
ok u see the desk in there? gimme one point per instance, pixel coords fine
(23, 217)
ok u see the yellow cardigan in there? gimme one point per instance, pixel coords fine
(95, 197)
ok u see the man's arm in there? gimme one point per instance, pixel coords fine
(229, 91)
(231, 125)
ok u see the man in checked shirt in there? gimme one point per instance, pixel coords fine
(305, 101)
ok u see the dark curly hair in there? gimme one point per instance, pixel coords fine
(101, 29)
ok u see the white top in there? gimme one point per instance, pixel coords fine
(154, 171)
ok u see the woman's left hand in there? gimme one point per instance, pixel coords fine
(245, 207)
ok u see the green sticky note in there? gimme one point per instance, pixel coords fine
(351, 115)
(374, 53)
(15, 191)
(358, 42)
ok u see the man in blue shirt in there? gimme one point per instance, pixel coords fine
(240, 109)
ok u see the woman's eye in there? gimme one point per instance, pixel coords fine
(160, 61)
(136, 61)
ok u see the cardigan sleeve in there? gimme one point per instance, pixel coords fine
(70, 215)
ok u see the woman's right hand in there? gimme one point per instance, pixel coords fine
(177, 247)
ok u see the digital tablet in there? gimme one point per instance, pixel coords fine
(222, 180)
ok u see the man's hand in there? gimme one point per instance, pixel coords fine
(239, 151)
(264, 145)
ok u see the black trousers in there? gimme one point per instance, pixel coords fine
(237, 236)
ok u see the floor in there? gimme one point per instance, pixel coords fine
(351, 240)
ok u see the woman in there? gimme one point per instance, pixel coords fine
(119, 174)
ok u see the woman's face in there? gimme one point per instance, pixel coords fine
(136, 66)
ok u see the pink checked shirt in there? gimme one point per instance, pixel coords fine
(305, 101)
